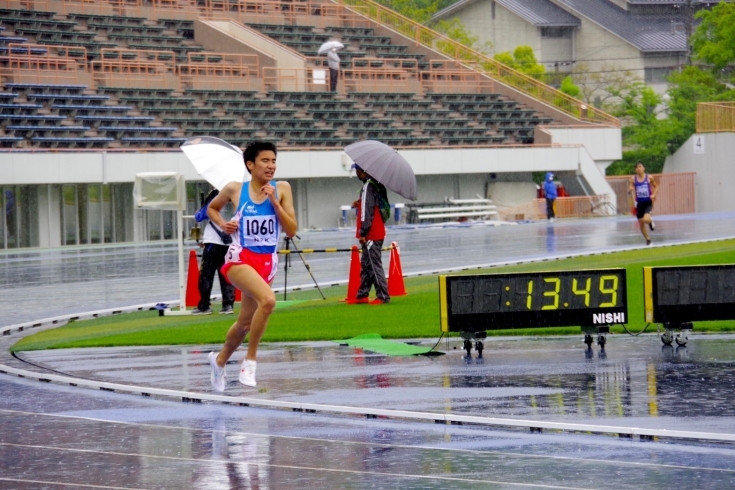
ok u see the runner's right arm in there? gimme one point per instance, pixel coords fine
(229, 193)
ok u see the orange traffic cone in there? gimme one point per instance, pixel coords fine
(395, 273)
(354, 283)
(192, 281)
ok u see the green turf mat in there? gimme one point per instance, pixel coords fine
(287, 303)
(375, 343)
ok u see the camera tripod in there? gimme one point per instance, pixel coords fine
(287, 263)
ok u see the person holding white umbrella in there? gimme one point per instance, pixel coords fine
(331, 47)
(333, 61)
(263, 207)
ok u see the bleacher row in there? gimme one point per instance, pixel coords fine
(78, 116)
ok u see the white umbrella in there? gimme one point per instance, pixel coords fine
(385, 165)
(217, 161)
(330, 45)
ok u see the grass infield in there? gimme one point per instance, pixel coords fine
(413, 316)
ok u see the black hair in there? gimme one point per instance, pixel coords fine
(253, 150)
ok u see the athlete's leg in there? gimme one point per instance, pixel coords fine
(255, 311)
(643, 224)
(258, 302)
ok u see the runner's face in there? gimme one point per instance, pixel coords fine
(640, 170)
(264, 166)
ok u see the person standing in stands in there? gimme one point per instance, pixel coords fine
(263, 207)
(550, 193)
(333, 61)
(372, 207)
(215, 243)
(643, 189)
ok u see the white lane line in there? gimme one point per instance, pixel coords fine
(81, 485)
(294, 467)
(380, 445)
(190, 396)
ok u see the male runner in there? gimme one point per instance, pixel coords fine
(263, 206)
(643, 188)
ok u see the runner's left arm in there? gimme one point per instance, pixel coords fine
(284, 209)
(654, 187)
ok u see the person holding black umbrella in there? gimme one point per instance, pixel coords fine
(373, 210)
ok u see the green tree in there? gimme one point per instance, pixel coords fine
(418, 10)
(714, 39)
(523, 60)
(568, 87)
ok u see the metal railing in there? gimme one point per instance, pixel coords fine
(218, 76)
(133, 74)
(438, 42)
(34, 63)
(295, 79)
(167, 58)
(379, 80)
(456, 81)
(715, 117)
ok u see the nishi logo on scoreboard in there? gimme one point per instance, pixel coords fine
(608, 318)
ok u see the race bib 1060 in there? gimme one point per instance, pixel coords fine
(259, 231)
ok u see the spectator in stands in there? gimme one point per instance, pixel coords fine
(550, 193)
(263, 207)
(215, 244)
(643, 189)
(333, 61)
(373, 210)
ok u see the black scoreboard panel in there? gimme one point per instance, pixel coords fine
(689, 294)
(536, 299)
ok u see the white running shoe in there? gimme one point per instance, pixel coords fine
(218, 373)
(247, 373)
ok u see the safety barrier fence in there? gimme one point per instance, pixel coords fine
(566, 207)
(134, 74)
(167, 58)
(379, 80)
(220, 75)
(327, 250)
(251, 62)
(675, 193)
(295, 79)
(456, 81)
(35, 63)
(715, 117)
(370, 62)
(427, 37)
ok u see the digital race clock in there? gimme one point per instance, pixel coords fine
(473, 303)
(677, 295)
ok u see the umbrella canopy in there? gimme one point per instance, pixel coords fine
(385, 165)
(330, 45)
(217, 161)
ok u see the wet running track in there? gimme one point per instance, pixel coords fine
(59, 436)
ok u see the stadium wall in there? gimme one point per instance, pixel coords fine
(710, 155)
(320, 179)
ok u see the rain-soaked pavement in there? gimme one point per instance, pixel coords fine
(59, 436)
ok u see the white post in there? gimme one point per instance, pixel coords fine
(180, 237)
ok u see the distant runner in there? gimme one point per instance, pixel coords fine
(643, 188)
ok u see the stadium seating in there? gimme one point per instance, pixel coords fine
(80, 116)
